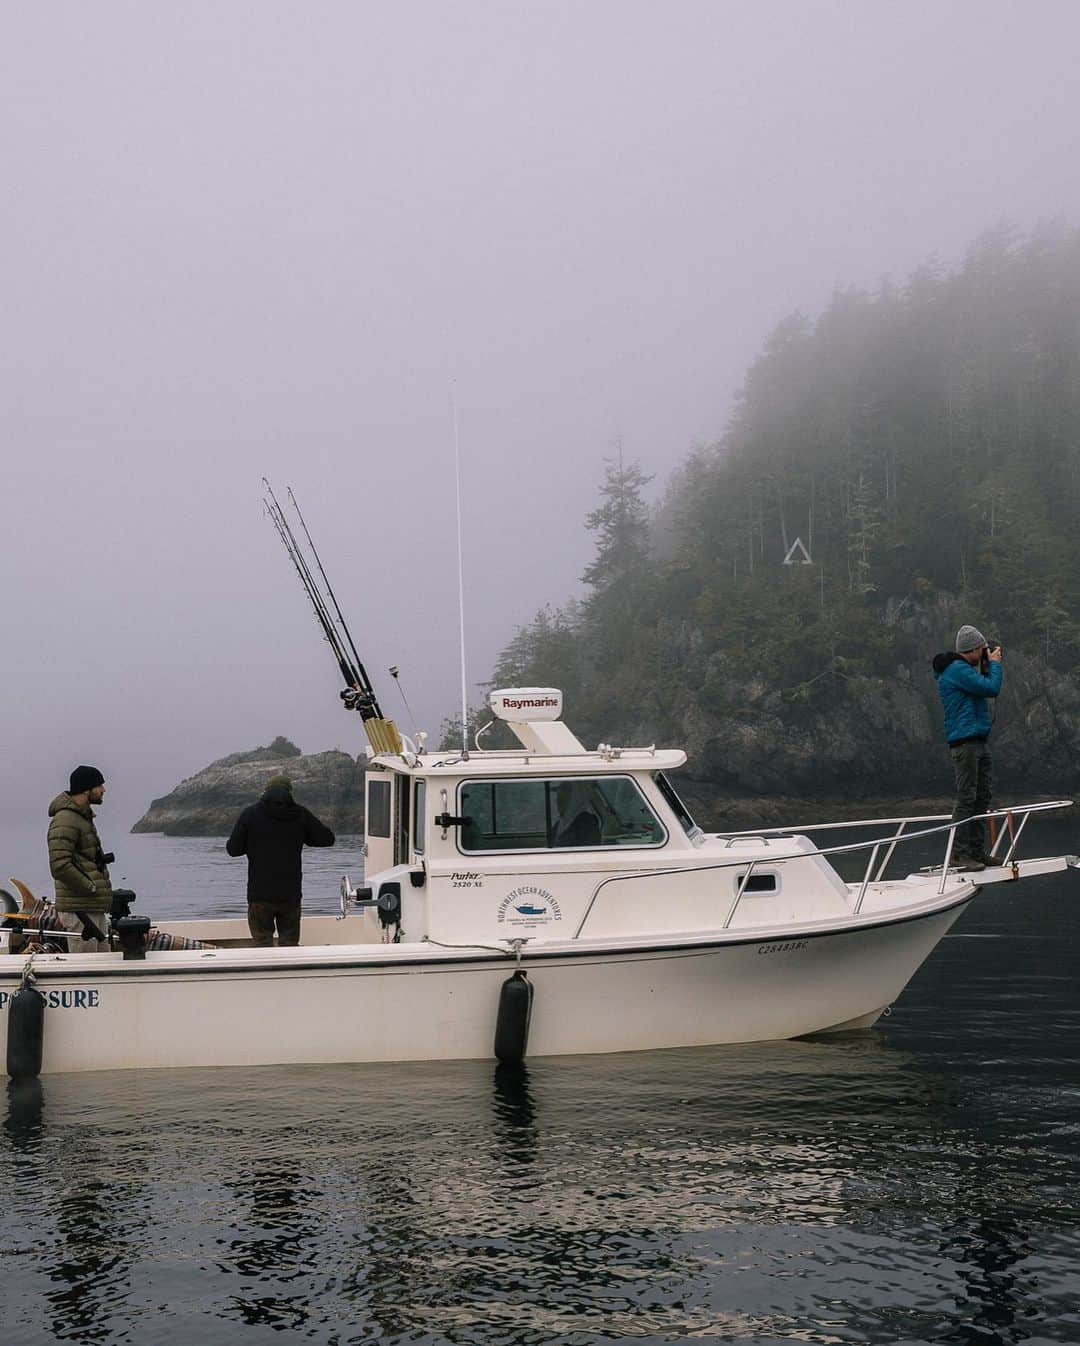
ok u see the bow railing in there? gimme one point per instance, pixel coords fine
(1013, 820)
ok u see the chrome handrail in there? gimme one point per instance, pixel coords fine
(889, 852)
(866, 879)
(825, 827)
(741, 889)
(873, 845)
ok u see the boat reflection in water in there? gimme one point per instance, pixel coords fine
(766, 1190)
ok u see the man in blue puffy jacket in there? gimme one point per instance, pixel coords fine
(967, 679)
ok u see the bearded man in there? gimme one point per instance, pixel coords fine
(78, 863)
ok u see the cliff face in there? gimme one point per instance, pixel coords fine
(880, 737)
(330, 784)
(758, 757)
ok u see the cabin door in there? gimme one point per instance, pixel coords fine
(378, 822)
(389, 821)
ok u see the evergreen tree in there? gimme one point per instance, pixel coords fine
(618, 574)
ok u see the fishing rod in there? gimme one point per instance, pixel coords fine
(322, 616)
(307, 579)
(357, 666)
(290, 551)
(358, 693)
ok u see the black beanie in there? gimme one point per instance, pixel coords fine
(84, 778)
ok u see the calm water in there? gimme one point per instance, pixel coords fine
(913, 1184)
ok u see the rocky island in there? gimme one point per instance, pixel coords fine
(331, 784)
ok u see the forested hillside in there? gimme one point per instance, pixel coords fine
(922, 443)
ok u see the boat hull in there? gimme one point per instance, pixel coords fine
(357, 1004)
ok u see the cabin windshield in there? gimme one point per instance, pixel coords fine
(566, 813)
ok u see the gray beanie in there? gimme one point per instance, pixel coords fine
(969, 638)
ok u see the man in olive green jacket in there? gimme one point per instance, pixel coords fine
(78, 863)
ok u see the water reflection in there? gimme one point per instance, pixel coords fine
(1000, 1300)
(23, 1125)
(514, 1104)
(86, 1266)
(275, 1245)
(514, 1116)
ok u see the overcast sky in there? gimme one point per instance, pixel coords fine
(255, 237)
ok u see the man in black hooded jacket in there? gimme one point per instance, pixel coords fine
(272, 834)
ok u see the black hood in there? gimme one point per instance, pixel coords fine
(278, 802)
(942, 661)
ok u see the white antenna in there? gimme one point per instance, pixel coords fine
(461, 583)
(395, 673)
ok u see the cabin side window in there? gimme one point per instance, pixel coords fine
(401, 820)
(419, 817)
(760, 881)
(567, 813)
(378, 808)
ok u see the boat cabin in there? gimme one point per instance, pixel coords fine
(553, 841)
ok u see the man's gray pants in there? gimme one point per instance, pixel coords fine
(974, 779)
(67, 920)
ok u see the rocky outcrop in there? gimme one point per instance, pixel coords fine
(331, 784)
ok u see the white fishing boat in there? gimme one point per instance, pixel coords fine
(547, 898)
(568, 883)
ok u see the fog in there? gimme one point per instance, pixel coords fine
(275, 238)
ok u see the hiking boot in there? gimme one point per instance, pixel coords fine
(970, 864)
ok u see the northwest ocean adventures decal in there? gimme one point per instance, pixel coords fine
(528, 907)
